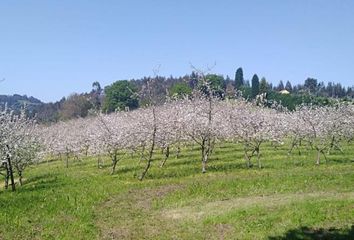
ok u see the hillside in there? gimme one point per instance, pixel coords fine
(123, 93)
(290, 198)
(16, 102)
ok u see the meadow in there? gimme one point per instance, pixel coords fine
(289, 198)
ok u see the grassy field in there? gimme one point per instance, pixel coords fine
(290, 198)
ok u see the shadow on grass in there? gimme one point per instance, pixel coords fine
(45, 184)
(179, 162)
(226, 167)
(317, 234)
(51, 160)
(341, 160)
(39, 178)
(169, 172)
(41, 182)
(125, 169)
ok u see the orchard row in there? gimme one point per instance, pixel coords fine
(202, 121)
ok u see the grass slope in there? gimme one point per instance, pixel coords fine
(290, 198)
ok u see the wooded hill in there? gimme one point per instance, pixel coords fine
(131, 94)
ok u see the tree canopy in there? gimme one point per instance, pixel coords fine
(263, 88)
(120, 95)
(239, 81)
(255, 85)
(180, 89)
(213, 85)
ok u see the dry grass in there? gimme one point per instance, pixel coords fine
(220, 207)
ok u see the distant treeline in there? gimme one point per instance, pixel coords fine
(123, 94)
(17, 102)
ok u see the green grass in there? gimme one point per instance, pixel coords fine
(290, 198)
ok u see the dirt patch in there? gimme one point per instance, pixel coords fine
(119, 233)
(145, 197)
(223, 230)
(141, 198)
(127, 215)
(220, 207)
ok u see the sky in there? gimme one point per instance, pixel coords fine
(51, 48)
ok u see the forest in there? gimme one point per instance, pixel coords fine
(124, 93)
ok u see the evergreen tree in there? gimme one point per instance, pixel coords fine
(330, 89)
(96, 95)
(255, 85)
(311, 85)
(96, 87)
(288, 86)
(239, 81)
(263, 87)
(280, 86)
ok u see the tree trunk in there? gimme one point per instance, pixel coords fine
(203, 156)
(99, 163)
(207, 144)
(205, 161)
(152, 148)
(114, 161)
(248, 160)
(167, 154)
(7, 176)
(151, 152)
(259, 159)
(178, 152)
(67, 160)
(318, 157)
(142, 155)
(290, 157)
(13, 187)
(20, 177)
(324, 155)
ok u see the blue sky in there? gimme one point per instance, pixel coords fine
(51, 48)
